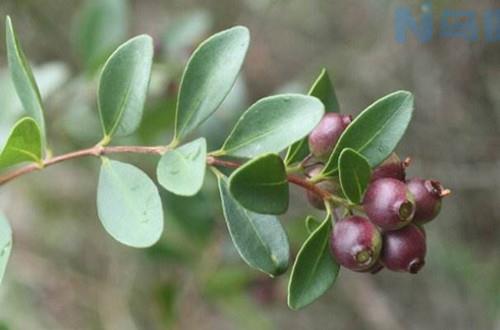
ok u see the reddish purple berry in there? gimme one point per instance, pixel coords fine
(428, 195)
(356, 243)
(327, 185)
(388, 204)
(325, 135)
(392, 167)
(404, 250)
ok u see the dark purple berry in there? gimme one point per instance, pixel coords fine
(404, 250)
(388, 204)
(428, 195)
(392, 167)
(327, 185)
(325, 135)
(356, 243)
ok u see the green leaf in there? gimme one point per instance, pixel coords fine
(209, 77)
(182, 170)
(322, 88)
(314, 270)
(123, 86)
(261, 185)
(23, 145)
(5, 244)
(354, 174)
(376, 131)
(272, 124)
(311, 224)
(184, 32)
(99, 27)
(129, 205)
(23, 79)
(259, 239)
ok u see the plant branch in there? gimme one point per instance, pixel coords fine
(95, 151)
(100, 150)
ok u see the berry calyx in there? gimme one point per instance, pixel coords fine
(356, 243)
(389, 204)
(392, 167)
(404, 250)
(330, 186)
(428, 195)
(325, 135)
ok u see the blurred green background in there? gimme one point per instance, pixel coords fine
(67, 273)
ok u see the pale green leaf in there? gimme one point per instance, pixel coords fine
(123, 86)
(129, 205)
(182, 170)
(100, 26)
(259, 239)
(272, 124)
(184, 32)
(261, 185)
(23, 79)
(208, 78)
(23, 145)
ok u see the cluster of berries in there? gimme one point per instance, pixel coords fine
(387, 229)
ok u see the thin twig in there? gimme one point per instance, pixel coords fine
(95, 151)
(99, 150)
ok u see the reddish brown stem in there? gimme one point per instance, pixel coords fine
(308, 186)
(98, 151)
(95, 151)
(212, 161)
(301, 182)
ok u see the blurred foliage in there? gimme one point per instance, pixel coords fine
(66, 273)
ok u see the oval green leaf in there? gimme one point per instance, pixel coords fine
(182, 170)
(314, 270)
(99, 27)
(272, 124)
(376, 131)
(23, 79)
(260, 239)
(323, 89)
(208, 77)
(5, 244)
(354, 174)
(261, 185)
(129, 205)
(123, 86)
(23, 145)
